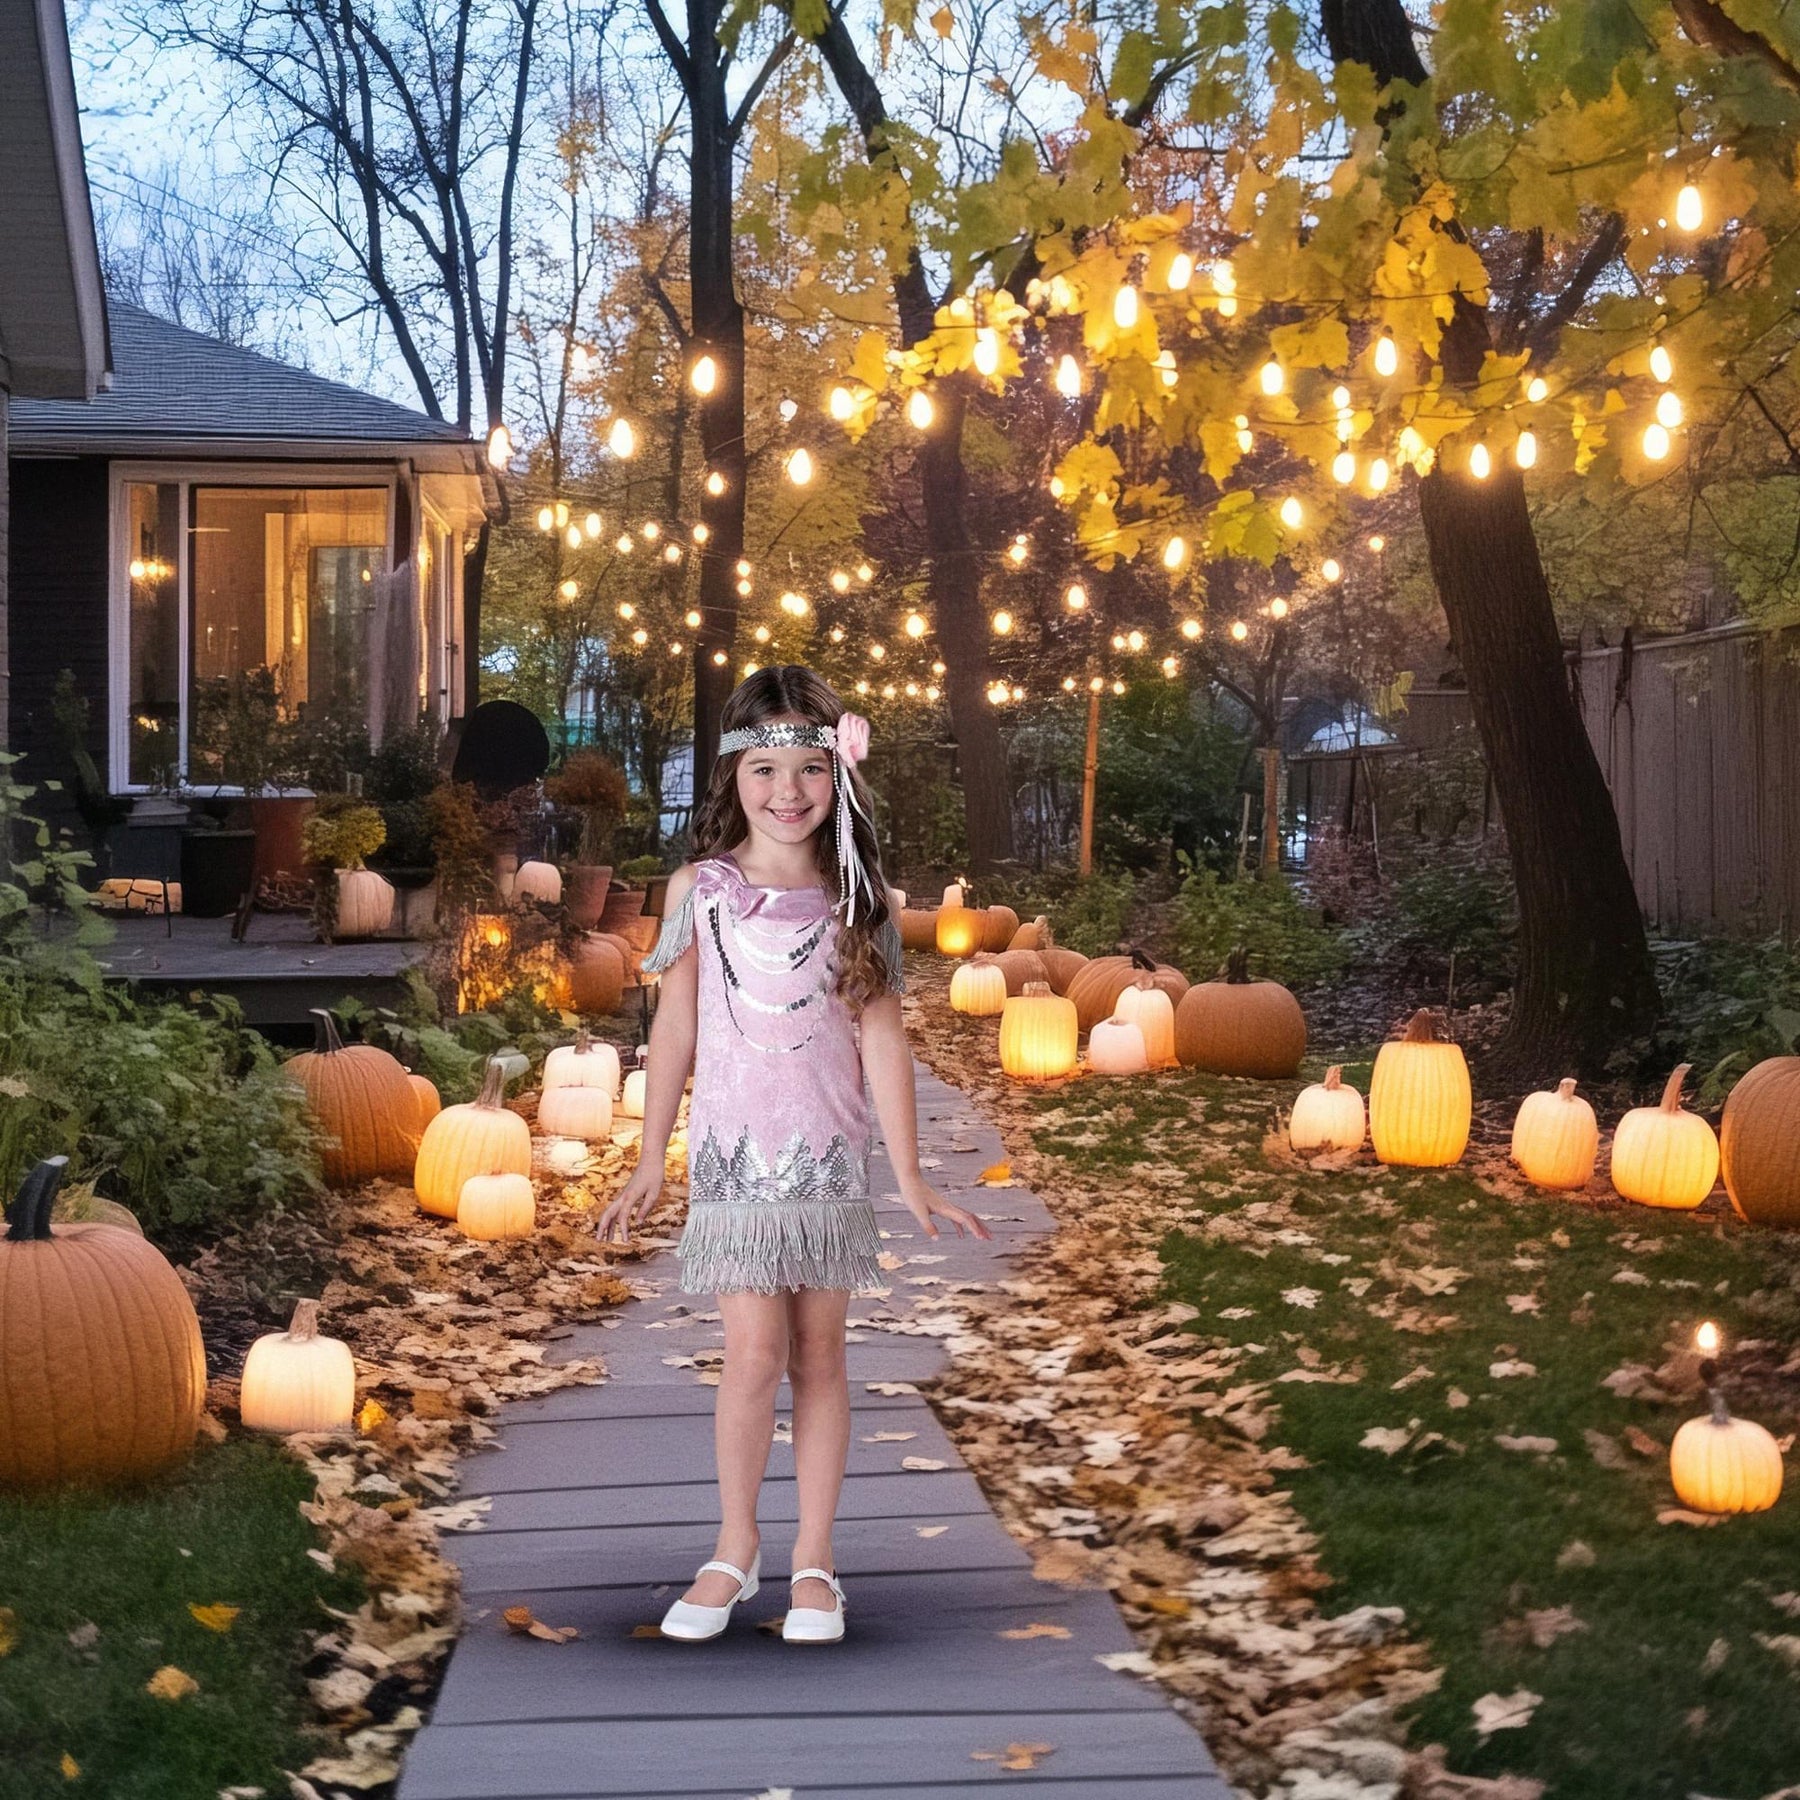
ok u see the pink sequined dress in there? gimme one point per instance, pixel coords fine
(778, 1126)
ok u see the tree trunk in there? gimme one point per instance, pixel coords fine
(1585, 980)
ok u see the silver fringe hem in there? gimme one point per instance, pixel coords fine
(775, 1246)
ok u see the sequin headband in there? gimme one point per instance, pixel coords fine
(848, 741)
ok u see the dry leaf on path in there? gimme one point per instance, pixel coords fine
(1504, 1712)
(1545, 1625)
(922, 1464)
(1679, 1515)
(520, 1619)
(71, 1769)
(1428, 1779)
(1643, 1443)
(218, 1618)
(1014, 1756)
(646, 1631)
(930, 1531)
(1511, 1370)
(889, 1388)
(890, 1437)
(1127, 1662)
(171, 1683)
(1575, 1555)
(1037, 1629)
(997, 1175)
(1530, 1446)
(1388, 1439)
(1604, 1449)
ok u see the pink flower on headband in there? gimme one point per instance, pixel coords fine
(852, 737)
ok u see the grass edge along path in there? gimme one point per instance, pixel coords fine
(1672, 1670)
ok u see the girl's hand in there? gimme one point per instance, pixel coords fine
(632, 1203)
(925, 1202)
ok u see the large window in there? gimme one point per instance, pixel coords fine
(262, 612)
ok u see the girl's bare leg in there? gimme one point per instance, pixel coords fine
(756, 1352)
(816, 1372)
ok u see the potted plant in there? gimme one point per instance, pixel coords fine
(592, 785)
(400, 779)
(349, 900)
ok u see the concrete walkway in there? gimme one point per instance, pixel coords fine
(604, 1505)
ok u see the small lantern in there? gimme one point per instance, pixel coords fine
(1116, 1047)
(959, 930)
(1153, 1012)
(296, 1380)
(978, 988)
(1039, 1034)
(498, 1205)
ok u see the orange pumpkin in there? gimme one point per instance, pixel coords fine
(1033, 935)
(362, 1101)
(430, 1101)
(597, 976)
(999, 924)
(1019, 967)
(959, 930)
(1097, 985)
(918, 929)
(1236, 1026)
(1759, 1143)
(1061, 966)
(102, 1373)
(481, 1138)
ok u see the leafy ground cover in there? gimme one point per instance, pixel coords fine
(101, 1633)
(1434, 1392)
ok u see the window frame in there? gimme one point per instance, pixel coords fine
(186, 476)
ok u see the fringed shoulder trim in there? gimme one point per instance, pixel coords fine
(676, 934)
(892, 956)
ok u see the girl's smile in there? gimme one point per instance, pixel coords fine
(786, 793)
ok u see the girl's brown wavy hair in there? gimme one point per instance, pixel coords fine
(788, 691)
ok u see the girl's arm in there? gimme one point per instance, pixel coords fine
(887, 1061)
(672, 1035)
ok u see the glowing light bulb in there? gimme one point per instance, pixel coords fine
(1537, 390)
(912, 690)
(1068, 378)
(1706, 1338)
(1668, 409)
(841, 405)
(761, 634)
(691, 619)
(915, 625)
(671, 553)
(987, 351)
(1378, 475)
(622, 439)
(1134, 642)
(569, 589)
(499, 447)
(1246, 438)
(1292, 513)
(715, 484)
(1181, 272)
(1190, 629)
(627, 610)
(1387, 355)
(1228, 306)
(572, 537)
(840, 582)
(1118, 687)
(1018, 550)
(626, 543)
(1002, 622)
(1656, 442)
(1662, 364)
(1340, 397)
(640, 637)
(1278, 608)
(864, 572)
(650, 531)
(1239, 630)
(1378, 543)
(720, 659)
(800, 467)
(1125, 308)
(592, 525)
(1525, 450)
(1118, 640)
(743, 588)
(1480, 463)
(789, 410)
(1174, 553)
(919, 410)
(704, 375)
(877, 652)
(1343, 467)
(1170, 666)
(750, 669)
(546, 518)
(837, 634)
(1224, 278)
(1076, 598)
(862, 687)
(1332, 569)
(1165, 367)
(675, 646)
(562, 514)
(1068, 684)
(1689, 210)
(702, 533)
(931, 693)
(1271, 378)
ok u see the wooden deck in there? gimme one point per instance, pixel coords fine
(277, 975)
(604, 1504)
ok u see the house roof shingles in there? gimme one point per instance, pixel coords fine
(170, 383)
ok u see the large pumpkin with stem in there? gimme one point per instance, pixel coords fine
(1664, 1155)
(1719, 1464)
(1096, 986)
(1759, 1143)
(999, 925)
(1236, 1026)
(1420, 1101)
(362, 1099)
(480, 1138)
(102, 1374)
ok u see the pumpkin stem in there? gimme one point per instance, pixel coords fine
(583, 1040)
(1036, 988)
(304, 1325)
(1334, 1078)
(29, 1214)
(1671, 1100)
(1422, 1028)
(1237, 966)
(326, 1039)
(1721, 1413)
(493, 1085)
(1565, 1089)
(1142, 959)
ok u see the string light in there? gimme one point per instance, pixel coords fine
(1190, 629)
(1068, 378)
(1068, 684)
(877, 652)
(761, 634)
(1292, 513)
(1668, 409)
(1378, 543)
(796, 604)
(1239, 630)
(1332, 569)
(1165, 367)
(743, 588)
(1272, 378)
(1170, 666)
(1278, 608)
(702, 533)
(625, 543)
(499, 447)
(627, 610)
(1018, 693)
(937, 668)
(837, 634)
(1224, 278)
(546, 518)
(622, 440)
(749, 669)
(1118, 687)
(1174, 553)
(1134, 642)
(1378, 475)
(1018, 550)
(1097, 684)
(800, 467)
(1343, 467)
(650, 531)
(593, 525)
(1538, 390)
(1002, 622)
(1125, 308)
(562, 514)
(841, 405)
(915, 625)
(569, 589)
(840, 582)
(691, 619)
(1689, 209)
(1118, 640)
(743, 565)
(640, 637)
(1387, 355)
(887, 693)
(911, 690)
(1076, 598)
(704, 375)
(715, 484)
(931, 693)
(1246, 438)
(720, 658)
(1057, 487)
(864, 572)
(789, 410)
(919, 410)
(1662, 364)
(674, 646)
(671, 553)
(1525, 450)
(862, 687)
(1181, 272)
(1480, 463)
(572, 537)
(1656, 442)
(987, 351)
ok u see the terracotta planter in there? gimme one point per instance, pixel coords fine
(621, 904)
(278, 821)
(585, 888)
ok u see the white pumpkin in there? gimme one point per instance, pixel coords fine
(365, 903)
(296, 1380)
(1556, 1138)
(978, 988)
(1152, 1010)
(566, 1156)
(575, 1112)
(496, 1206)
(582, 1064)
(631, 1102)
(1116, 1047)
(1327, 1116)
(537, 881)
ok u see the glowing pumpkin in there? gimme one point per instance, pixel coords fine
(575, 1112)
(1327, 1116)
(1759, 1143)
(959, 930)
(1420, 1104)
(1116, 1047)
(978, 988)
(1663, 1155)
(1724, 1465)
(1556, 1138)
(296, 1380)
(475, 1139)
(1039, 1034)
(1236, 1026)
(1150, 1008)
(499, 1205)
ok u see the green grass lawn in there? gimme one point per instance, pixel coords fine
(119, 1572)
(1664, 1691)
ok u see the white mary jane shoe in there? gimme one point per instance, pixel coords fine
(692, 1624)
(809, 1624)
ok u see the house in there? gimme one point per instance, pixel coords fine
(189, 517)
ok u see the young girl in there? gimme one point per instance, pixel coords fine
(780, 965)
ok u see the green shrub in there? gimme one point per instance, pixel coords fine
(1094, 915)
(1728, 1005)
(640, 868)
(1285, 939)
(1454, 899)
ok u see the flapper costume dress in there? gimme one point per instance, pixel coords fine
(778, 1124)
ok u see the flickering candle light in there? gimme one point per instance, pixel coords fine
(705, 375)
(953, 895)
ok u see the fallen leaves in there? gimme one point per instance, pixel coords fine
(1526, 1445)
(219, 1618)
(930, 1531)
(1038, 1629)
(71, 1769)
(171, 1683)
(1504, 1712)
(521, 1621)
(922, 1464)
(9, 1630)
(1017, 1757)
(998, 1174)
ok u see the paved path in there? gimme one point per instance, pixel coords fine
(604, 1504)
